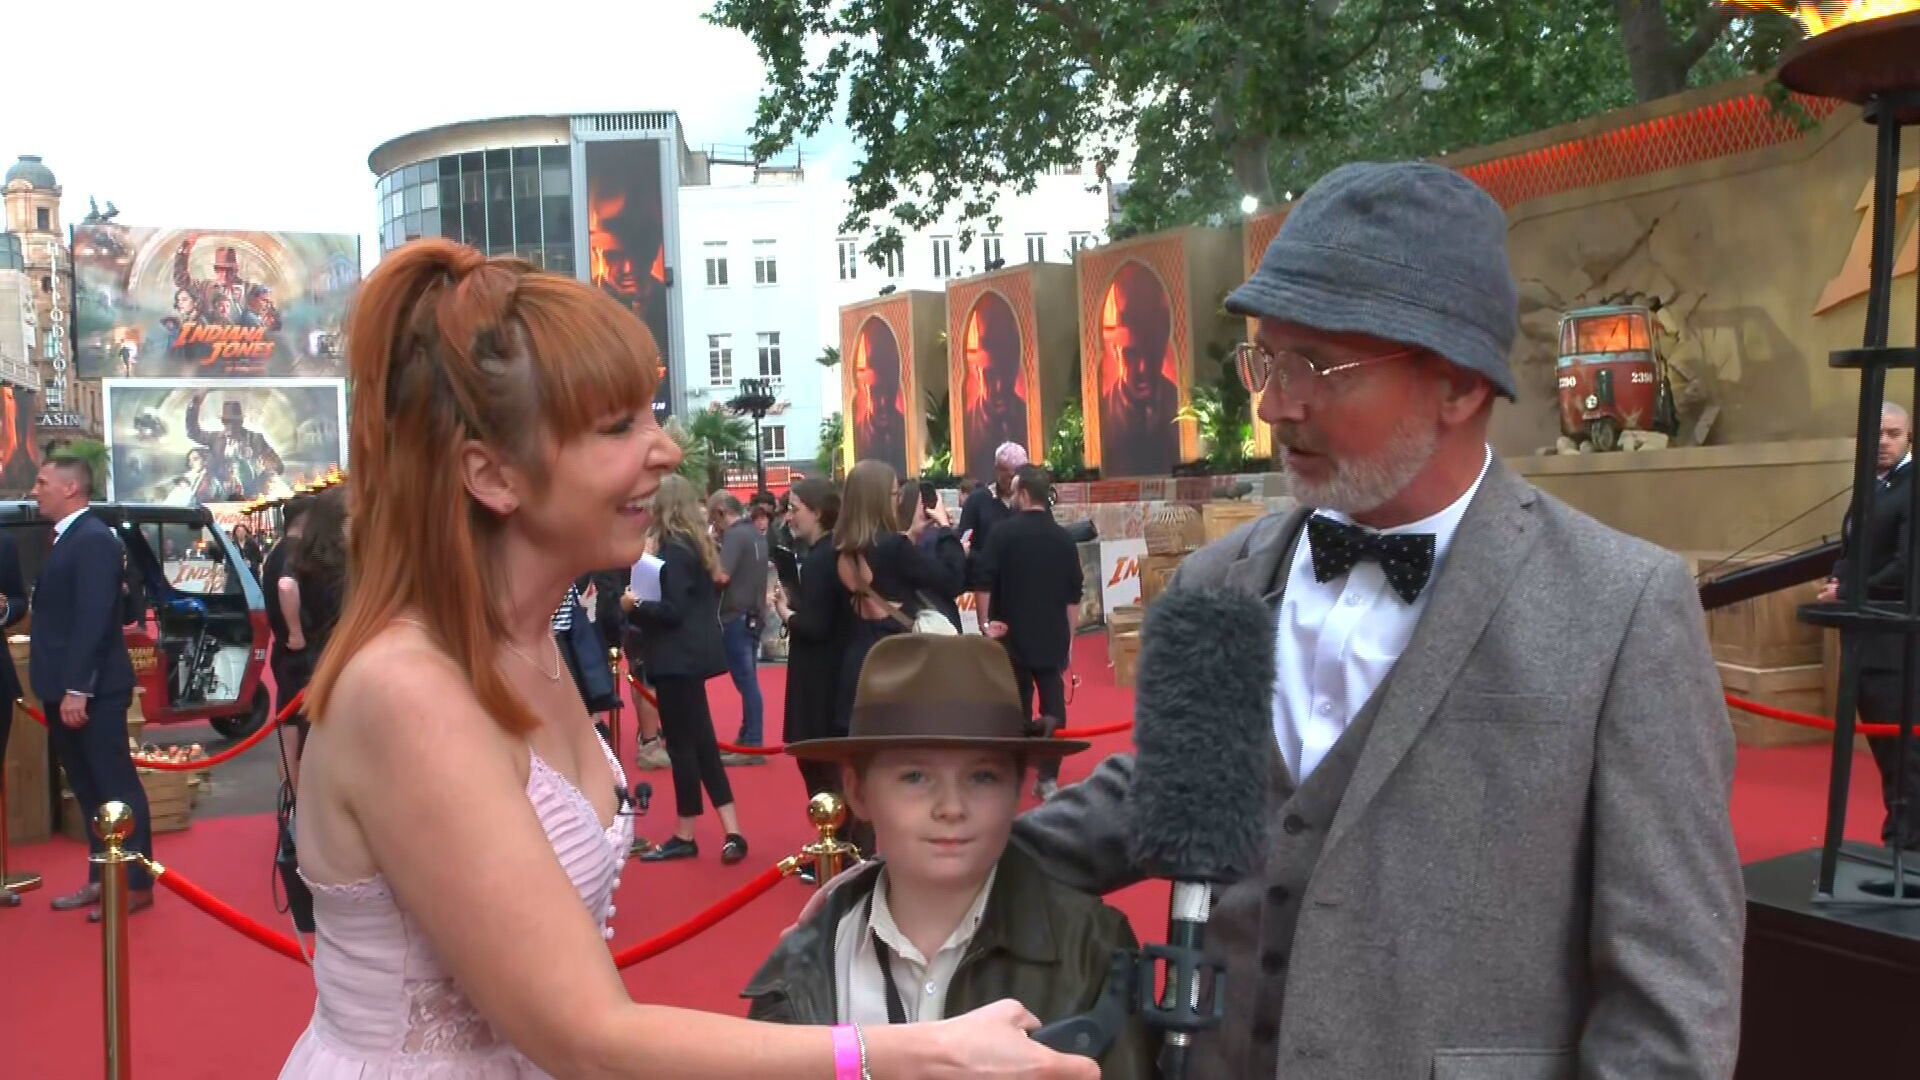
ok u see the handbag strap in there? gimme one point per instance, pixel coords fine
(861, 586)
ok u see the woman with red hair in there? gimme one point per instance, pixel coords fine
(459, 819)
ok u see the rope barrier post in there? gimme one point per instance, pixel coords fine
(828, 813)
(113, 823)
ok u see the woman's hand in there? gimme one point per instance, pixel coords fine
(990, 1042)
(937, 513)
(628, 601)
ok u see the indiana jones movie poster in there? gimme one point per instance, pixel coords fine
(188, 441)
(879, 397)
(998, 383)
(1139, 376)
(174, 303)
(626, 240)
(19, 453)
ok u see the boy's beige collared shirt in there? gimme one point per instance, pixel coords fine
(861, 994)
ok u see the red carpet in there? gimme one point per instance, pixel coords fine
(210, 1005)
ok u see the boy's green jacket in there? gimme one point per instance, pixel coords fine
(1039, 942)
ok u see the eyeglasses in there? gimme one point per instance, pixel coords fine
(1296, 374)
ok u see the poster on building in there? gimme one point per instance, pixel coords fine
(19, 448)
(999, 393)
(879, 396)
(210, 303)
(1139, 375)
(187, 441)
(626, 240)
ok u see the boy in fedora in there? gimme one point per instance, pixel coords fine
(953, 918)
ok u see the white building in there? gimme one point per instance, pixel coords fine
(767, 271)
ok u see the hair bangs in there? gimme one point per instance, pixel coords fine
(592, 357)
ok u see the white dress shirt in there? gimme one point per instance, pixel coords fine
(60, 527)
(860, 992)
(1336, 640)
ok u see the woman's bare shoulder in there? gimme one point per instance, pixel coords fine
(402, 687)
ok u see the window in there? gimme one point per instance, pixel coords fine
(770, 355)
(849, 259)
(44, 218)
(990, 252)
(1036, 247)
(896, 264)
(720, 359)
(773, 440)
(765, 272)
(716, 263)
(1079, 241)
(943, 256)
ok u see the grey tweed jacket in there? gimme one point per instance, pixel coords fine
(1531, 874)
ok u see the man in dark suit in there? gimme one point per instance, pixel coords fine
(1881, 666)
(1032, 575)
(81, 672)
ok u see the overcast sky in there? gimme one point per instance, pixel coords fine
(261, 116)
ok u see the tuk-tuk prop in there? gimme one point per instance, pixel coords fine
(1612, 378)
(194, 618)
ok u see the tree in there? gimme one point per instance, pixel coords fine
(721, 439)
(833, 430)
(955, 102)
(1671, 44)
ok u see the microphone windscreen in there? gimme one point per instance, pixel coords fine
(1203, 725)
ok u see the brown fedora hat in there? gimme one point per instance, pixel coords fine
(937, 692)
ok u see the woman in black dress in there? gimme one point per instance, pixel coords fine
(816, 619)
(681, 648)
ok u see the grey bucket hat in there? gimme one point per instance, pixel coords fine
(1407, 252)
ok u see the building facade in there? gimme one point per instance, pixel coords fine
(64, 405)
(749, 268)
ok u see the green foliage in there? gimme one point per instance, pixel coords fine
(955, 103)
(939, 462)
(1066, 447)
(833, 433)
(94, 453)
(1222, 412)
(721, 439)
(828, 357)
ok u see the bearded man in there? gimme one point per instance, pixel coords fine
(1499, 844)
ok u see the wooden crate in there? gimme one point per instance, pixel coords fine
(1800, 688)
(1222, 516)
(1126, 659)
(1122, 620)
(1156, 573)
(1764, 632)
(170, 799)
(29, 820)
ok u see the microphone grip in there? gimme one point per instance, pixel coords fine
(1172, 1063)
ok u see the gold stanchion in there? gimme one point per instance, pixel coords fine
(11, 884)
(830, 854)
(113, 823)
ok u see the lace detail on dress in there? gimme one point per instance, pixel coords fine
(440, 1020)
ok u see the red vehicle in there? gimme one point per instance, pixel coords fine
(1611, 376)
(196, 626)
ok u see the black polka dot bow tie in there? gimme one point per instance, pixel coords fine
(1337, 546)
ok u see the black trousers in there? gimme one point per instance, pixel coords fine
(1880, 704)
(692, 748)
(1052, 685)
(99, 769)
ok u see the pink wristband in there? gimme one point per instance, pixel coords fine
(847, 1058)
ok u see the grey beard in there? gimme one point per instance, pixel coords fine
(1357, 487)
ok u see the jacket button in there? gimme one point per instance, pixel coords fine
(1266, 1031)
(1294, 824)
(1273, 963)
(1278, 894)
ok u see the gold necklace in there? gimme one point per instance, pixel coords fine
(553, 676)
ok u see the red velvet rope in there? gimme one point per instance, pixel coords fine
(250, 928)
(739, 898)
(196, 765)
(222, 911)
(1807, 719)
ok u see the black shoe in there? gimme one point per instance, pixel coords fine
(734, 850)
(675, 848)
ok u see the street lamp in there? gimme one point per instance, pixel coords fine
(755, 399)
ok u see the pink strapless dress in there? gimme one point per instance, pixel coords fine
(387, 1010)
